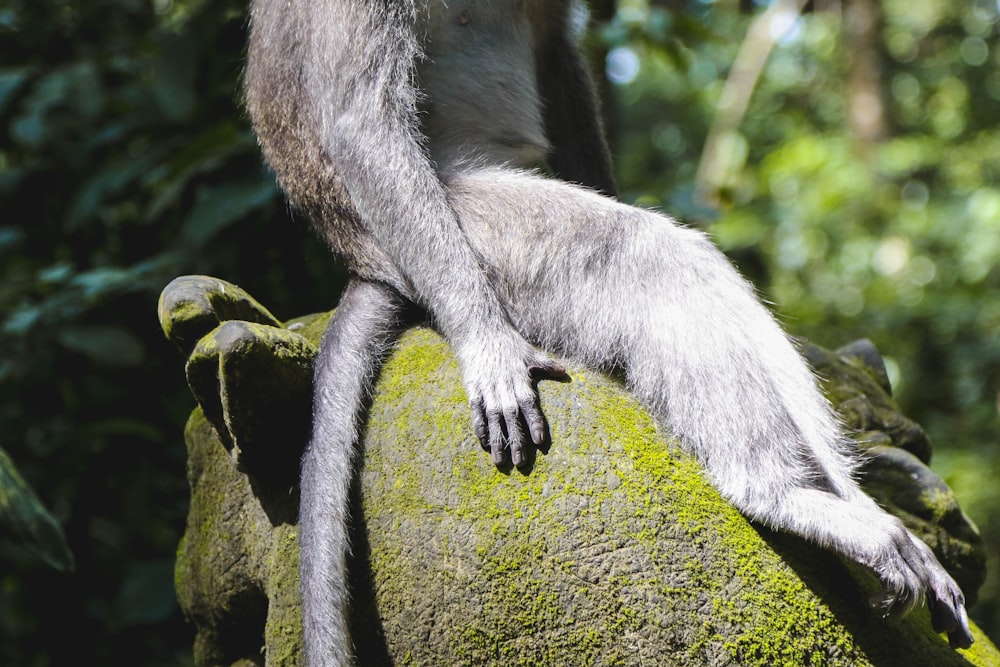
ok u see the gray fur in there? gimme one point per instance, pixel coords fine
(407, 132)
(363, 330)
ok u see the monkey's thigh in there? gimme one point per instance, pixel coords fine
(580, 273)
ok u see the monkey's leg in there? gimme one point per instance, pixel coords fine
(617, 286)
(365, 326)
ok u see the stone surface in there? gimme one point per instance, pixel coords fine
(610, 550)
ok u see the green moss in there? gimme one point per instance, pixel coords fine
(180, 314)
(310, 327)
(283, 630)
(982, 651)
(939, 501)
(612, 550)
(647, 476)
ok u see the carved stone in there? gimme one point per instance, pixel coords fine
(610, 550)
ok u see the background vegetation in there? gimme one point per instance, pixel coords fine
(859, 185)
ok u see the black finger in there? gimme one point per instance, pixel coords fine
(943, 617)
(950, 618)
(546, 369)
(959, 635)
(534, 419)
(514, 437)
(961, 638)
(479, 423)
(495, 437)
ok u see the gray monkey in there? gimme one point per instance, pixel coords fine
(411, 133)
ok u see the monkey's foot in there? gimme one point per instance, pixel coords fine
(946, 602)
(916, 571)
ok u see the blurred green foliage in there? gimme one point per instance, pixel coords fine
(125, 159)
(25, 523)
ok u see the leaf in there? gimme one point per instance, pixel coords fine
(205, 153)
(218, 207)
(26, 523)
(21, 320)
(110, 179)
(76, 88)
(55, 274)
(108, 280)
(147, 594)
(105, 345)
(174, 88)
(10, 82)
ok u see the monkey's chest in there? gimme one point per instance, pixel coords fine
(436, 17)
(452, 26)
(479, 77)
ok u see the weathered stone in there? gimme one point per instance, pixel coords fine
(897, 454)
(610, 550)
(191, 306)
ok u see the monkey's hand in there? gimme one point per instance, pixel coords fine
(501, 381)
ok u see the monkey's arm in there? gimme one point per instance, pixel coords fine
(359, 75)
(572, 117)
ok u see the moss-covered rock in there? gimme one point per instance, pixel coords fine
(610, 550)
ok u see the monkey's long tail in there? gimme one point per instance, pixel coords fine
(364, 328)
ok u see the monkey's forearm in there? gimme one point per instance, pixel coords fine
(359, 96)
(351, 71)
(372, 136)
(417, 228)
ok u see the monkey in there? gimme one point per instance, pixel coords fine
(450, 152)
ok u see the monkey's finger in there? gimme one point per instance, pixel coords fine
(959, 635)
(546, 369)
(534, 419)
(479, 423)
(495, 437)
(961, 638)
(951, 618)
(514, 437)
